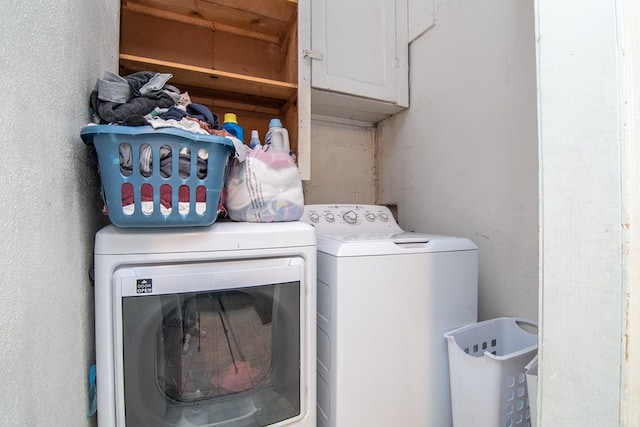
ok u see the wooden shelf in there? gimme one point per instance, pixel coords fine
(267, 20)
(233, 56)
(208, 78)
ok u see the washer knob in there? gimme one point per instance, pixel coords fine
(350, 217)
(370, 217)
(384, 217)
(314, 217)
(330, 217)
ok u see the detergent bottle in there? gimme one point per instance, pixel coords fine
(231, 125)
(277, 137)
(255, 139)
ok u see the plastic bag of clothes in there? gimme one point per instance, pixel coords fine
(263, 186)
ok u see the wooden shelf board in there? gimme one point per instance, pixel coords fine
(219, 104)
(240, 98)
(210, 78)
(267, 20)
(279, 10)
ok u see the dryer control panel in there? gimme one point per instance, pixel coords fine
(350, 218)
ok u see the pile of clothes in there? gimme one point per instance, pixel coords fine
(145, 98)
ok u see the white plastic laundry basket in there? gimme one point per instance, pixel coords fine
(487, 372)
(531, 371)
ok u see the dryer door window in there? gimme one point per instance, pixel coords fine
(229, 356)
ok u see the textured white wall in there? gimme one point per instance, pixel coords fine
(628, 11)
(342, 164)
(589, 196)
(463, 159)
(51, 54)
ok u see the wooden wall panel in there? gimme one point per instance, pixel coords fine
(151, 37)
(290, 54)
(246, 56)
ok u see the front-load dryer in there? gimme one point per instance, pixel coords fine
(385, 299)
(206, 326)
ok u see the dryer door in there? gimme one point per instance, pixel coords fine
(202, 344)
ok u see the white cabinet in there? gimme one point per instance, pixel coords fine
(359, 58)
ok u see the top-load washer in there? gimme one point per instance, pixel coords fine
(385, 299)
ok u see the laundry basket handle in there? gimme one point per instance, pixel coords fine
(526, 325)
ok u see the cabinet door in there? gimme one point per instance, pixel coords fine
(360, 48)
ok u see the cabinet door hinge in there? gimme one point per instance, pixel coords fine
(313, 54)
(396, 62)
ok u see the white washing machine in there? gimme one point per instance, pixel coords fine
(206, 326)
(385, 299)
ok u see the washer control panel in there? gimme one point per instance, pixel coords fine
(350, 218)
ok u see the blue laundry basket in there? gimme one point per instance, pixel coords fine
(166, 177)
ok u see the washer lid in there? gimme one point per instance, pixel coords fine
(404, 242)
(220, 236)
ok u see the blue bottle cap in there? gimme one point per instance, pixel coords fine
(275, 123)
